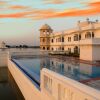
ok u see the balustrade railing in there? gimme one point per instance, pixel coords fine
(62, 88)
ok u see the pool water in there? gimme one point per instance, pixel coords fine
(72, 69)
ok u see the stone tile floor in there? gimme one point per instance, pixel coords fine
(95, 84)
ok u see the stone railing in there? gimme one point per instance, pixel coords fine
(58, 87)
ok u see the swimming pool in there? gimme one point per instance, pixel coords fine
(72, 69)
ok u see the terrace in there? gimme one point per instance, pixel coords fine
(53, 77)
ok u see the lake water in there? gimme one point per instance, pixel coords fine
(8, 88)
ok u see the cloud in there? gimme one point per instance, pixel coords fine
(92, 9)
(15, 15)
(29, 14)
(18, 7)
(54, 1)
(95, 4)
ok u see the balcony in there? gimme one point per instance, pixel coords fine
(94, 41)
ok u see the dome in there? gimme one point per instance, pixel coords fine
(45, 27)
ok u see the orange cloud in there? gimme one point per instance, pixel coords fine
(94, 8)
(54, 1)
(18, 7)
(15, 15)
(95, 4)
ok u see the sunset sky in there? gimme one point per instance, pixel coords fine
(20, 20)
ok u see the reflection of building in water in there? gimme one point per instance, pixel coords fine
(72, 69)
(89, 70)
(66, 68)
(45, 62)
(83, 39)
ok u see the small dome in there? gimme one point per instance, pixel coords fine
(45, 27)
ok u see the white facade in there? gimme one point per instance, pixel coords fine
(83, 40)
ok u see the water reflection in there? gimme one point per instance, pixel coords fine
(8, 87)
(72, 69)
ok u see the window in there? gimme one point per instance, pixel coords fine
(62, 48)
(79, 36)
(52, 40)
(88, 35)
(76, 49)
(76, 37)
(47, 48)
(92, 34)
(43, 30)
(43, 48)
(62, 39)
(69, 39)
(52, 49)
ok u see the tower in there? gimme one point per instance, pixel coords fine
(45, 32)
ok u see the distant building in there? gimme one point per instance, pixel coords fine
(84, 40)
(2, 45)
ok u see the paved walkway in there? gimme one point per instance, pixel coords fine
(93, 82)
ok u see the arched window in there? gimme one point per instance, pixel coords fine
(79, 36)
(92, 34)
(62, 39)
(47, 48)
(52, 49)
(43, 30)
(43, 48)
(88, 35)
(76, 49)
(62, 48)
(76, 37)
(52, 40)
(69, 39)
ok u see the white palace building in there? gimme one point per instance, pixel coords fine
(84, 40)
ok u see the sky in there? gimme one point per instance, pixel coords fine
(20, 20)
